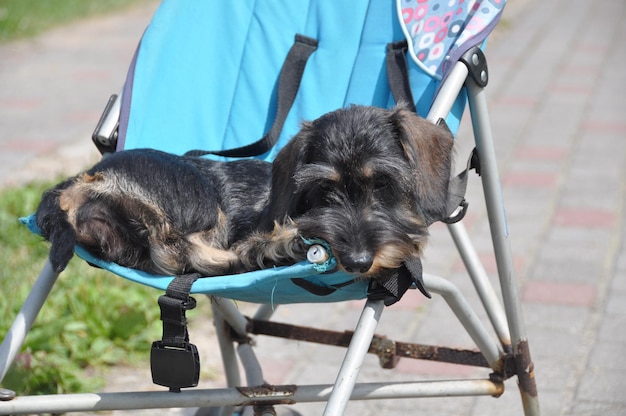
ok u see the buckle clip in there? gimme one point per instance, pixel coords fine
(175, 367)
(106, 133)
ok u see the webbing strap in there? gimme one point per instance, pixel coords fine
(174, 361)
(174, 304)
(288, 85)
(398, 74)
(456, 205)
(320, 290)
(391, 289)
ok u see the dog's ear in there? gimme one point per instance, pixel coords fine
(291, 156)
(428, 148)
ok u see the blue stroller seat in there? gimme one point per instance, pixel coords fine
(221, 78)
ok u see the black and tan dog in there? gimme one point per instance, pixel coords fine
(366, 180)
(162, 213)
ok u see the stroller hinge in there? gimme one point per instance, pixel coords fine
(476, 62)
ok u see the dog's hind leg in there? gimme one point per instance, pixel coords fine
(204, 257)
(207, 251)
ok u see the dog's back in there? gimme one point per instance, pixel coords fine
(145, 209)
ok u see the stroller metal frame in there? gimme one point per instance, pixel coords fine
(507, 357)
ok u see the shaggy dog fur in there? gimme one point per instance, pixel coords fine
(366, 180)
(158, 212)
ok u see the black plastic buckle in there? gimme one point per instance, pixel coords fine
(106, 133)
(176, 367)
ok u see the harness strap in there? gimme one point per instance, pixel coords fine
(288, 85)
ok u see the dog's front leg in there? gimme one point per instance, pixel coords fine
(280, 247)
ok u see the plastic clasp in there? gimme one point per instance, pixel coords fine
(175, 367)
(106, 132)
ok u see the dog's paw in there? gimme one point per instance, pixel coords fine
(280, 247)
(298, 248)
(63, 241)
(60, 256)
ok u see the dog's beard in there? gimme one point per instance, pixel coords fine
(387, 238)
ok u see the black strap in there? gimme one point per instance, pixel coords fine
(174, 361)
(456, 205)
(174, 304)
(391, 289)
(398, 74)
(317, 289)
(288, 85)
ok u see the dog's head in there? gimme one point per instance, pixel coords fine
(366, 180)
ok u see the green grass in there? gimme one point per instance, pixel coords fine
(24, 18)
(91, 321)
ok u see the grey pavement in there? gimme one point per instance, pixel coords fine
(557, 99)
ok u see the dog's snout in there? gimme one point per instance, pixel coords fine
(357, 262)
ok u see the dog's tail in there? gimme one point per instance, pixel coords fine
(55, 227)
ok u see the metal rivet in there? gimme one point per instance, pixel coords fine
(6, 395)
(317, 254)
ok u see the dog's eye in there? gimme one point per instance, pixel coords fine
(381, 181)
(322, 193)
(326, 186)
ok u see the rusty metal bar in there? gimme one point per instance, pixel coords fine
(388, 351)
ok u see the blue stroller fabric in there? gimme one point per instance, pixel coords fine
(205, 76)
(205, 73)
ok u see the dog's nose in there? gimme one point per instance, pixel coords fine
(357, 262)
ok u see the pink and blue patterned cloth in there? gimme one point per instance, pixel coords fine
(440, 31)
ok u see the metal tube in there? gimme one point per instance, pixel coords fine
(500, 237)
(227, 349)
(89, 402)
(265, 311)
(250, 363)
(359, 345)
(468, 318)
(24, 320)
(231, 314)
(484, 288)
(447, 95)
